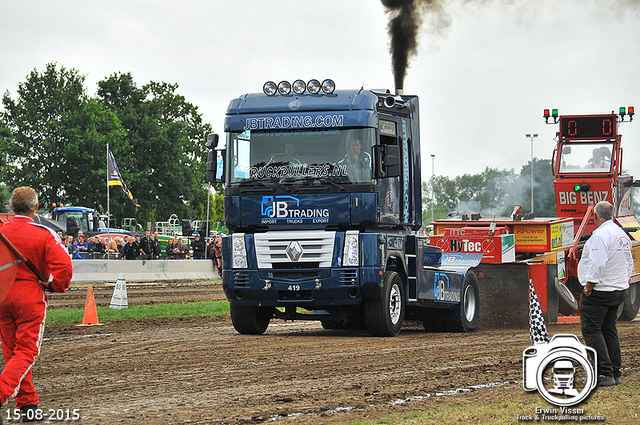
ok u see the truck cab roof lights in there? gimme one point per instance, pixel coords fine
(624, 111)
(328, 86)
(270, 88)
(299, 86)
(554, 114)
(314, 86)
(284, 87)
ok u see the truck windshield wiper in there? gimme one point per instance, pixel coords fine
(280, 185)
(324, 180)
(250, 182)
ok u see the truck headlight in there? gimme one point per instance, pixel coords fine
(239, 251)
(351, 252)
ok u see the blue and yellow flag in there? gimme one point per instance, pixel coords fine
(115, 179)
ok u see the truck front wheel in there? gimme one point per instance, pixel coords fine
(249, 320)
(384, 316)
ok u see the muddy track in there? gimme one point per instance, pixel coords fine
(201, 371)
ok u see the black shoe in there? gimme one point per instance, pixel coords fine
(618, 380)
(29, 413)
(605, 381)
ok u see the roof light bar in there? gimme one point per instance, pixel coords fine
(269, 88)
(284, 87)
(328, 86)
(299, 87)
(314, 86)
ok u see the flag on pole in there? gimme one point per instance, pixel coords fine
(115, 179)
(537, 327)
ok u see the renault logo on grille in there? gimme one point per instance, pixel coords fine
(294, 251)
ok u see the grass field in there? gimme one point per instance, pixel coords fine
(196, 309)
(611, 405)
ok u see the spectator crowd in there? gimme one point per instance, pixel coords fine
(146, 247)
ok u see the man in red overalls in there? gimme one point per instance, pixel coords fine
(23, 312)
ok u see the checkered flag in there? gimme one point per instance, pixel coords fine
(537, 327)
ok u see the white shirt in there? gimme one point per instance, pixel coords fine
(606, 259)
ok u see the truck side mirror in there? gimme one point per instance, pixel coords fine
(72, 226)
(212, 143)
(211, 166)
(387, 161)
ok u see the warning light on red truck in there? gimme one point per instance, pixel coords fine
(584, 187)
(553, 114)
(623, 112)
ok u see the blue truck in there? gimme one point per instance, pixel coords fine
(322, 196)
(73, 219)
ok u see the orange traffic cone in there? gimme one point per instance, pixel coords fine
(90, 317)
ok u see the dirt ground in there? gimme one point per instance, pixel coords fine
(200, 371)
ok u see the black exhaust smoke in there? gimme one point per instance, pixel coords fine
(405, 19)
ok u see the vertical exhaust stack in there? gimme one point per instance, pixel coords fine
(405, 20)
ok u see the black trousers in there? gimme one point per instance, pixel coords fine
(598, 317)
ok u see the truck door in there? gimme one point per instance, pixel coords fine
(396, 200)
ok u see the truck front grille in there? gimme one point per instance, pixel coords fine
(294, 249)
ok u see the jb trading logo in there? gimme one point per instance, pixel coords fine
(287, 208)
(277, 206)
(563, 373)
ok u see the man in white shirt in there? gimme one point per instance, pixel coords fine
(604, 270)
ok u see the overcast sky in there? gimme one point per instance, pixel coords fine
(483, 79)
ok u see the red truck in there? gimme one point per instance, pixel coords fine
(587, 168)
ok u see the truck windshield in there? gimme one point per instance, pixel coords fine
(82, 222)
(336, 154)
(586, 158)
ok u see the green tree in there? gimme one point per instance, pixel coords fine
(54, 138)
(544, 197)
(5, 194)
(164, 152)
(484, 193)
(440, 210)
(493, 191)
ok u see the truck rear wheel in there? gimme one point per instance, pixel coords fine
(629, 308)
(384, 316)
(249, 320)
(469, 305)
(567, 304)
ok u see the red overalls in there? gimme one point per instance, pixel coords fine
(23, 312)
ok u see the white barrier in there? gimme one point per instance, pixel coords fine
(141, 270)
